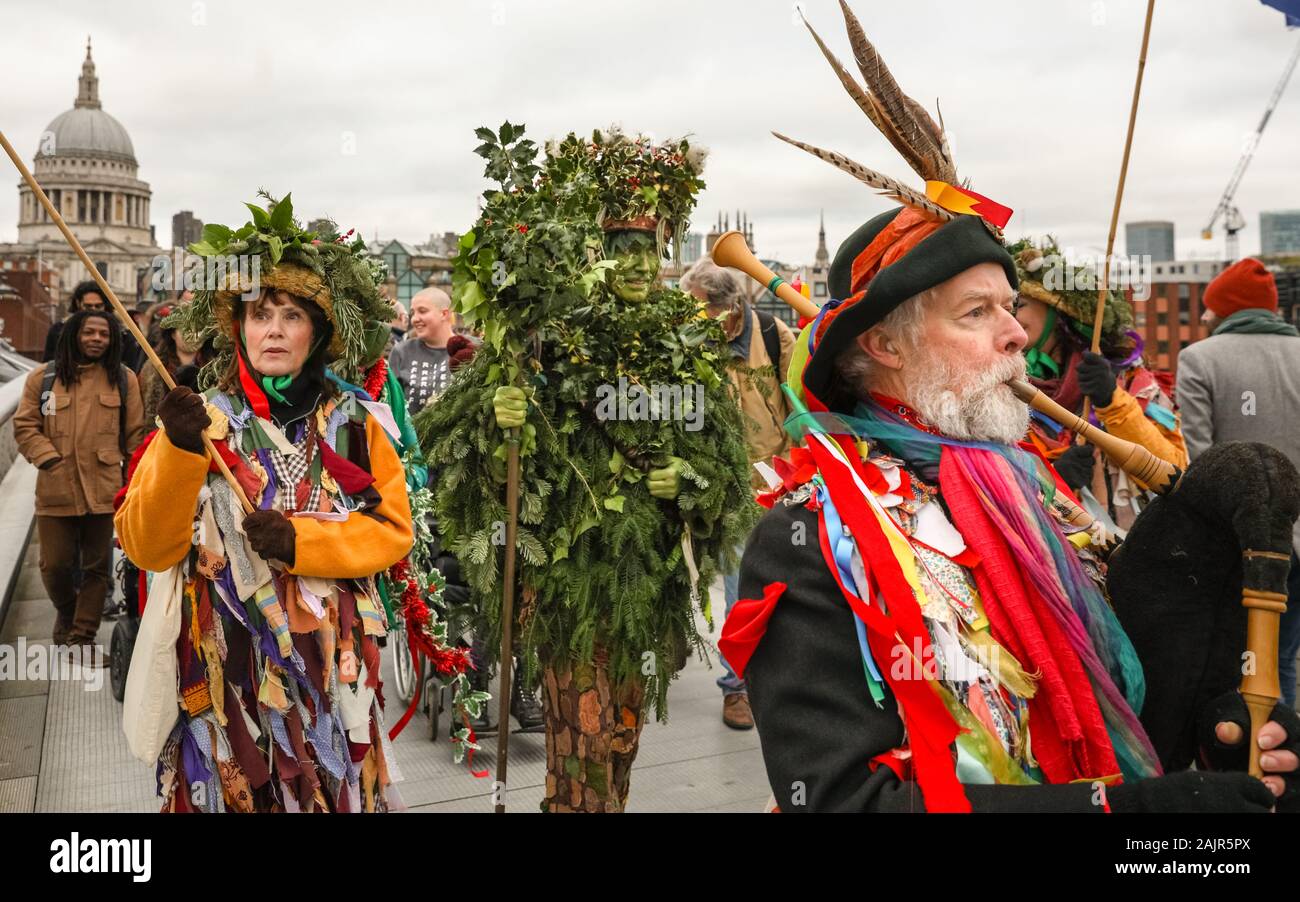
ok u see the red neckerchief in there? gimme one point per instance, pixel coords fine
(893, 405)
(252, 391)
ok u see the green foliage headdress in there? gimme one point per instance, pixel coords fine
(1046, 276)
(274, 251)
(637, 183)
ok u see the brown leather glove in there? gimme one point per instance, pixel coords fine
(271, 535)
(184, 418)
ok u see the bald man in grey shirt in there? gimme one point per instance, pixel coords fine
(421, 362)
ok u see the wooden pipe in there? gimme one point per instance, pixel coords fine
(1156, 474)
(1260, 686)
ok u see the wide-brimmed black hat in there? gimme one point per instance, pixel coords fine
(951, 249)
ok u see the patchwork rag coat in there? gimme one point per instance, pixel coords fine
(279, 689)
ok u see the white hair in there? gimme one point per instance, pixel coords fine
(904, 324)
(720, 285)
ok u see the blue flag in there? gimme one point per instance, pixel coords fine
(1290, 8)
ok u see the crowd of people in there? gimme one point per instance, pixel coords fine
(951, 603)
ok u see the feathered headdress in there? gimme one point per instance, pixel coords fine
(912, 131)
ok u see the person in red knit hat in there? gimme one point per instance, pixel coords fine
(1243, 384)
(1244, 286)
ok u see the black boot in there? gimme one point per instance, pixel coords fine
(526, 707)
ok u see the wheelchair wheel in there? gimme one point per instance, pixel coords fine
(406, 675)
(119, 654)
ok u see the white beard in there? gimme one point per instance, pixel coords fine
(973, 406)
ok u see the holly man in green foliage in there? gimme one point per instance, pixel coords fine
(634, 487)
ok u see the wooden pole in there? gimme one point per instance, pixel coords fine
(507, 615)
(127, 322)
(1119, 191)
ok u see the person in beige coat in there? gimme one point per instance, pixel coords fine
(78, 428)
(760, 346)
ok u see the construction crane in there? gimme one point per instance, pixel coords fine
(1233, 221)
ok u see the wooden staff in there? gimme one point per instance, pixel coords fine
(507, 615)
(127, 322)
(1119, 191)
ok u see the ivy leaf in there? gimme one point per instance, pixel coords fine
(469, 297)
(615, 503)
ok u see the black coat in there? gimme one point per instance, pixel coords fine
(816, 721)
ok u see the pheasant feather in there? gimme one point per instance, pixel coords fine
(883, 183)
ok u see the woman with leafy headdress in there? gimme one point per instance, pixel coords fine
(627, 505)
(1057, 309)
(278, 658)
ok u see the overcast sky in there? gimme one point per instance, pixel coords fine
(221, 98)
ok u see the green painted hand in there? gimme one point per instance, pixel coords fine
(510, 407)
(665, 482)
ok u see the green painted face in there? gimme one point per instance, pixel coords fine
(638, 263)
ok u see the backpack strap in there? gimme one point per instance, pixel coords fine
(771, 340)
(47, 381)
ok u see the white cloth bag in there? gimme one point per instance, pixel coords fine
(150, 705)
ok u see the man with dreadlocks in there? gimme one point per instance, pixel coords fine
(79, 420)
(917, 628)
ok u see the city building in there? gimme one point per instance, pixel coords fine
(1279, 232)
(1153, 238)
(186, 230)
(1169, 317)
(86, 164)
(692, 248)
(412, 267)
(26, 307)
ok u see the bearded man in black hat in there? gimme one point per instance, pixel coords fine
(920, 627)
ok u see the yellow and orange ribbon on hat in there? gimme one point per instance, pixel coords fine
(961, 200)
